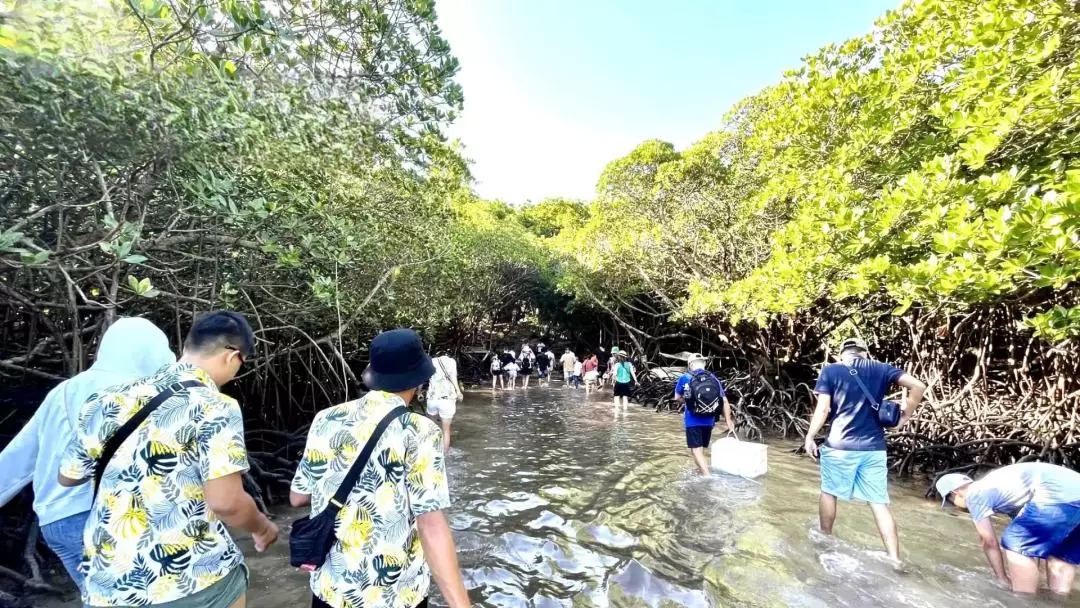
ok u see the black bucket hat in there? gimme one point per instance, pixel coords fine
(398, 362)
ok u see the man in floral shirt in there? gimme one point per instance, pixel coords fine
(391, 533)
(156, 533)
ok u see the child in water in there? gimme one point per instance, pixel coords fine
(511, 371)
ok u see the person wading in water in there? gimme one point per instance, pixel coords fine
(853, 463)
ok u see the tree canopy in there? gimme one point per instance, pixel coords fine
(919, 185)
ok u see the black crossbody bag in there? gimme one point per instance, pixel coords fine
(888, 412)
(311, 538)
(132, 424)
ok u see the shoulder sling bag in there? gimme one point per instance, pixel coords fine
(445, 373)
(132, 424)
(311, 538)
(888, 412)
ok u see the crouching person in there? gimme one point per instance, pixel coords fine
(391, 534)
(1044, 502)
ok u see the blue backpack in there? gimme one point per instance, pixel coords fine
(705, 394)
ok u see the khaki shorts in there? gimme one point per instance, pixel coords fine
(221, 594)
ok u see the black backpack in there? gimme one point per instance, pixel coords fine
(705, 394)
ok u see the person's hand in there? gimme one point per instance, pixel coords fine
(460, 396)
(811, 448)
(266, 537)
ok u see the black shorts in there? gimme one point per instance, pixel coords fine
(623, 389)
(698, 436)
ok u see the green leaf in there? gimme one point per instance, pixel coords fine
(135, 259)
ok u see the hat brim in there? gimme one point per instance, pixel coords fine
(401, 381)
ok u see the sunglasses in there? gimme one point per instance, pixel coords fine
(239, 353)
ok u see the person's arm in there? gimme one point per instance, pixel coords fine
(454, 380)
(633, 374)
(728, 417)
(428, 496)
(225, 496)
(304, 480)
(222, 463)
(441, 557)
(817, 422)
(992, 548)
(80, 456)
(18, 459)
(915, 391)
(297, 499)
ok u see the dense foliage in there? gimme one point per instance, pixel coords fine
(919, 185)
(164, 158)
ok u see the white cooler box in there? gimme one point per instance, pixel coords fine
(742, 458)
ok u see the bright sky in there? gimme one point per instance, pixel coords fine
(556, 89)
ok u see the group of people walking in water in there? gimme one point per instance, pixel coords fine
(618, 372)
(137, 465)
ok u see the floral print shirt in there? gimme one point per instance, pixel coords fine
(150, 537)
(377, 561)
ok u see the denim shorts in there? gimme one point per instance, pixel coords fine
(1044, 531)
(65, 538)
(848, 474)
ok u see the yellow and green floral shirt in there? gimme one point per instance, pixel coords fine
(377, 561)
(150, 537)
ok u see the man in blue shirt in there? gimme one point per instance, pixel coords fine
(853, 463)
(699, 426)
(1044, 501)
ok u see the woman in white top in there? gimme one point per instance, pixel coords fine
(443, 394)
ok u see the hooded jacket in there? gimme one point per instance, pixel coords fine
(131, 348)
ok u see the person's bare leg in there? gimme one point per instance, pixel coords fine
(240, 603)
(698, 455)
(827, 512)
(445, 422)
(886, 526)
(1060, 576)
(1023, 572)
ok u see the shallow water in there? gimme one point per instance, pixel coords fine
(559, 501)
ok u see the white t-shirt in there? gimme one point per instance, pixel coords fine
(511, 368)
(577, 368)
(567, 361)
(441, 386)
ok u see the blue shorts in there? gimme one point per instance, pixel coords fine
(1044, 531)
(848, 474)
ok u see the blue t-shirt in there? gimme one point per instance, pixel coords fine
(622, 372)
(690, 418)
(854, 421)
(1008, 489)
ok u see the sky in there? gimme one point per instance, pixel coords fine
(557, 89)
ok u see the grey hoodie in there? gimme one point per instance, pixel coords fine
(131, 348)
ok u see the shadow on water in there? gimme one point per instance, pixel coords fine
(561, 501)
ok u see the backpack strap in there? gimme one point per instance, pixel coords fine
(132, 424)
(347, 484)
(855, 374)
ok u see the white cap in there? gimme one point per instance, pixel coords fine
(949, 484)
(696, 357)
